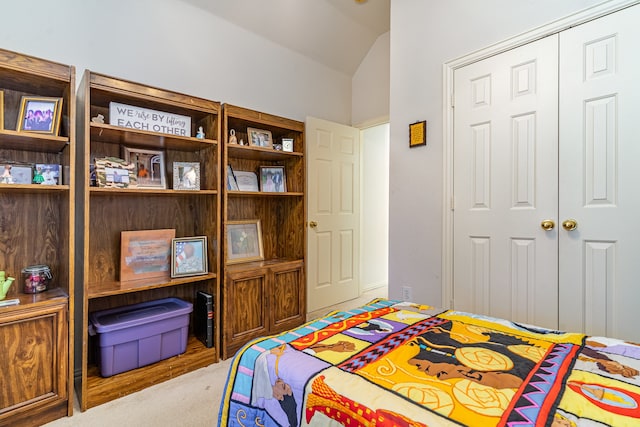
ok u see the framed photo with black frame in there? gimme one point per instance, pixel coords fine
(272, 179)
(243, 241)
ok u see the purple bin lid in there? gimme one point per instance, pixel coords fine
(138, 314)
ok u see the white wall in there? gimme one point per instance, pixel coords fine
(370, 85)
(425, 35)
(374, 199)
(174, 45)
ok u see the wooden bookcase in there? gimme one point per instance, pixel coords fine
(37, 227)
(269, 296)
(106, 212)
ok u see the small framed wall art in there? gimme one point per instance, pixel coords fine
(418, 134)
(272, 179)
(148, 165)
(244, 241)
(189, 256)
(145, 254)
(39, 114)
(186, 176)
(260, 138)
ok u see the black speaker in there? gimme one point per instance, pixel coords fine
(203, 314)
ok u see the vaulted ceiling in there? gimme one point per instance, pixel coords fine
(336, 33)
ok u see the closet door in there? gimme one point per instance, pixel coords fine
(506, 184)
(599, 266)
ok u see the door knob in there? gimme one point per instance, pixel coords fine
(547, 225)
(313, 224)
(570, 224)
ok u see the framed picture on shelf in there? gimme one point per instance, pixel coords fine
(148, 167)
(145, 254)
(232, 184)
(186, 176)
(114, 173)
(47, 174)
(15, 173)
(39, 114)
(244, 241)
(272, 179)
(189, 256)
(259, 138)
(246, 181)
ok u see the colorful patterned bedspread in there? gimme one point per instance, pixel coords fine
(392, 363)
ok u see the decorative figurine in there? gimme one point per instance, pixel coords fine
(5, 284)
(98, 119)
(241, 141)
(232, 137)
(37, 177)
(200, 134)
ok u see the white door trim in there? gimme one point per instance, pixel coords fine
(447, 95)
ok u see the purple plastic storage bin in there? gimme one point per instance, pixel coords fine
(137, 335)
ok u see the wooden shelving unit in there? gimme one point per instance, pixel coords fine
(106, 212)
(37, 227)
(267, 296)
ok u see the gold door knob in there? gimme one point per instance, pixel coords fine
(313, 224)
(547, 225)
(570, 224)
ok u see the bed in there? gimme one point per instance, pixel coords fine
(393, 363)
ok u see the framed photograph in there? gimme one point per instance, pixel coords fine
(186, 176)
(259, 138)
(417, 134)
(246, 181)
(39, 114)
(272, 179)
(148, 166)
(1, 110)
(113, 172)
(189, 256)
(12, 173)
(232, 184)
(145, 254)
(244, 241)
(48, 174)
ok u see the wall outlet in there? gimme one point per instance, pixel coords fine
(407, 294)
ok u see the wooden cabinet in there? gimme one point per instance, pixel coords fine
(36, 227)
(106, 212)
(268, 296)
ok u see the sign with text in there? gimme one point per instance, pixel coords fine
(128, 116)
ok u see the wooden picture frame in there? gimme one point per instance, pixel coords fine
(39, 114)
(259, 138)
(148, 166)
(145, 254)
(186, 176)
(189, 256)
(243, 241)
(273, 179)
(418, 134)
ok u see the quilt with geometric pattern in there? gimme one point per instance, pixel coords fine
(394, 363)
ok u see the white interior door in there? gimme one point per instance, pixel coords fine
(599, 176)
(505, 185)
(333, 211)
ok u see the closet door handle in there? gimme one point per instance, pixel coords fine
(313, 224)
(547, 225)
(570, 224)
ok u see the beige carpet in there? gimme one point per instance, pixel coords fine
(189, 400)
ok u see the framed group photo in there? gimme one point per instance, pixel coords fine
(39, 114)
(189, 256)
(260, 138)
(272, 179)
(244, 241)
(148, 167)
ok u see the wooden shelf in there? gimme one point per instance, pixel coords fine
(102, 390)
(104, 191)
(31, 141)
(259, 153)
(263, 194)
(97, 290)
(33, 188)
(230, 268)
(140, 138)
(35, 300)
